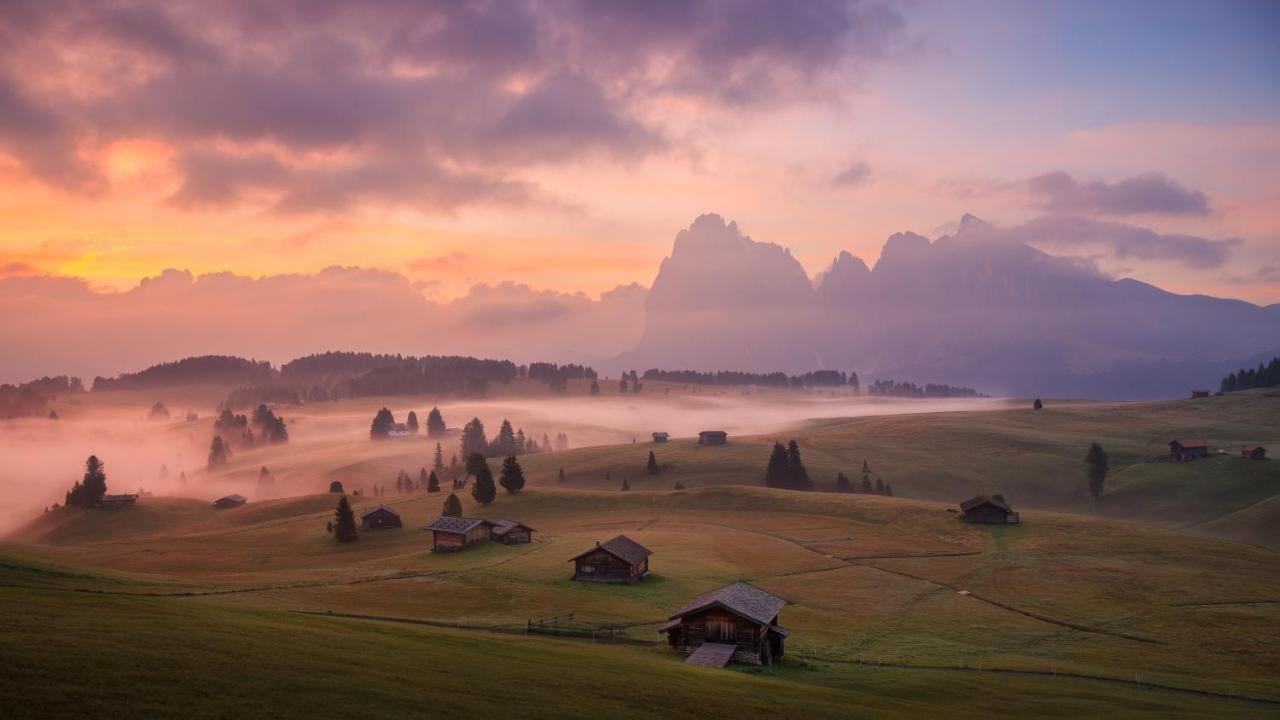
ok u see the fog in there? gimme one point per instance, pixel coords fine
(43, 458)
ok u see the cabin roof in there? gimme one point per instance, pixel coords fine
(381, 508)
(621, 547)
(234, 498)
(713, 432)
(459, 525)
(1191, 443)
(1251, 448)
(741, 598)
(994, 500)
(502, 527)
(662, 434)
(120, 496)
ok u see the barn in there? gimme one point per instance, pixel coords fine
(661, 437)
(230, 501)
(1253, 452)
(119, 502)
(450, 534)
(618, 560)
(510, 532)
(1198, 393)
(713, 437)
(1184, 450)
(380, 518)
(736, 622)
(991, 509)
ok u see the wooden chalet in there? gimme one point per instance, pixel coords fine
(619, 560)
(398, 430)
(119, 502)
(380, 518)
(230, 501)
(661, 437)
(1184, 450)
(1253, 452)
(450, 534)
(510, 532)
(736, 622)
(1198, 393)
(713, 437)
(989, 509)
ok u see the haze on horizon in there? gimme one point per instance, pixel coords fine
(479, 176)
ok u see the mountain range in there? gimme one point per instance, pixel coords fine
(972, 308)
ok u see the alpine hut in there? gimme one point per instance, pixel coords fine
(736, 622)
(618, 560)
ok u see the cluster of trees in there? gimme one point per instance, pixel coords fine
(866, 487)
(88, 491)
(557, 377)
(508, 441)
(204, 369)
(911, 390)
(31, 399)
(234, 427)
(349, 374)
(1264, 376)
(785, 469)
(817, 378)
(253, 395)
(384, 420)
(158, 412)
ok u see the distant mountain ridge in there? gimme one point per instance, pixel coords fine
(972, 309)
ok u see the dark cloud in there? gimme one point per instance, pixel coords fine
(857, 173)
(321, 105)
(1147, 193)
(1122, 241)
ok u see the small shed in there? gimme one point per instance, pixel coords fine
(398, 430)
(661, 437)
(1253, 452)
(119, 502)
(1184, 450)
(450, 534)
(620, 560)
(736, 622)
(380, 518)
(1198, 393)
(230, 501)
(510, 532)
(989, 509)
(713, 437)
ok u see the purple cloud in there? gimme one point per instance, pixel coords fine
(1152, 192)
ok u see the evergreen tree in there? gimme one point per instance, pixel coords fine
(217, 453)
(595, 387)
(411, 422)
(522, 443)
(853, 383)
(272, 428)
(866, 477)
(1038, 405)
(625, 485)
(437, 463)
(652, 465)
(265, 477)
(797, 476)
(435, 423)
(452, 506)
(622, 386)
(483, 489)
(879, 486)
(89, 491)
(562, 476)
(422, 478)
(511, 477)
(1097, 465)
(433, 483)
(679, 485)
(473, 438)
(505, 442)
(53, 414)
(842, 483)
(380, 428)
(775, 473)
(344, 521)
(158, 412)
(888, 489)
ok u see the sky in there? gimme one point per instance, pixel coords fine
(554, 149)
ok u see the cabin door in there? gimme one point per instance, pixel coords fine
(722, 631)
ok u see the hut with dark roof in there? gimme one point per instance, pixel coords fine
(736, 622)
(991, 509)
(618, 560)
(230, 501)
(1184, 450)
(510, 532)
(713, 437)
(1253, 452)
(380, 518)
(450, 534)
(119, 502)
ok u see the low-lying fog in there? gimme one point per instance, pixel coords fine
(42, 458)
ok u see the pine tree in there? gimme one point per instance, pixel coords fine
(411, 422)
(879, 486)
(265, 477)
(625, 485)
(622, 386)
(562, 476)
(423, 478)
(775, 473)
(437, 462)
(344, 521)
(435, 423)
(473, 438)
(505, 443)
(842, 483)
(1097, 465)
(380, 428)
(595, 387)
(888, 489)
(511, 477)
(217, 453)
(866, 477)
(483, 489)
(1038, 405)
(433, 483)
(797, 476)
(652, 465)
(452, 506)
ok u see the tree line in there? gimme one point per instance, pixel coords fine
(817, 378)
(203, 369)
(1264, 376)
(31, 399)
(930, 390)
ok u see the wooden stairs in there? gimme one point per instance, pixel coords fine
(715, 655)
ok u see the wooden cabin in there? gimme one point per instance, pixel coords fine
(398, 430)
(380, 518)
(619, 560)
(1198, 393)
(509, 532)
(1184, 450)
(450, 534)
(989, 509)
(230, 501)
(1253, 452)
(713, 437)
(736, 622)
(661, 437)
(119, 502)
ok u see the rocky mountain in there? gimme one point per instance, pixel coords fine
(971, 309)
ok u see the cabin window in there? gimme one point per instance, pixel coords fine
(722, 631)
(588, 569)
